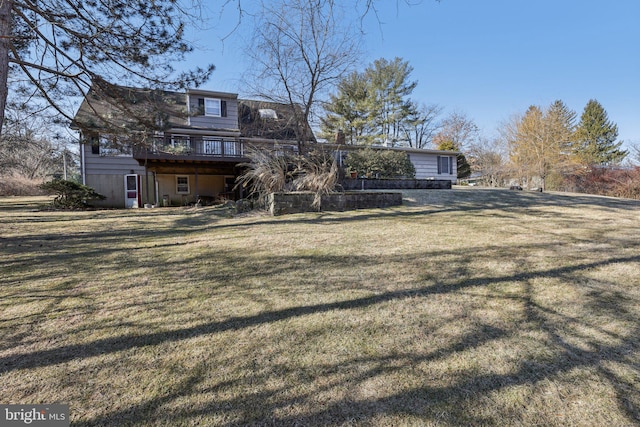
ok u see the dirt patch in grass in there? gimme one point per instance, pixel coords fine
(462, 307)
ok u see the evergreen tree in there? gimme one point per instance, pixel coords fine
(390, 88)
(561, 122)
(373, 106)
(595, 137)
(59, 48)
(348, 110)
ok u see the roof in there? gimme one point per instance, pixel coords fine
(130, 109)
(269, 120)
(126, 109)
(347, 147)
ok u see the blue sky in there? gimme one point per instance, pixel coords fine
(492, 58)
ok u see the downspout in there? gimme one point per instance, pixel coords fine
(195, 168)
(83, 170)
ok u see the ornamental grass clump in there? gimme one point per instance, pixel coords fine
(266, 172)
(275, 171)
(316, 172)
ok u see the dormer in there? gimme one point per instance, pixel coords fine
(212, 110)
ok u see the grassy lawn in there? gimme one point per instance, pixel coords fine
(462, 307)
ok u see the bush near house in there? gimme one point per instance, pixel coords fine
(380, 163)
(70, 194)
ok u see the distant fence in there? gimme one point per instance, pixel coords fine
(396, 184)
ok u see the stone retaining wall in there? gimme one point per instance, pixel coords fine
(287, 203)
(396, 184)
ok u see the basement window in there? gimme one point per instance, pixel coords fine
(182, 184)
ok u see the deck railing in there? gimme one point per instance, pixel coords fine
(185, 146)
(198, 146)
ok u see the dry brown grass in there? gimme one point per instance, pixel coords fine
(463, 307)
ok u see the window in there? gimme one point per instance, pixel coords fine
(445, 165)
(212, 107)
(182, 184)
(180, 144)
(180, 140)
(107, 146)
(231, 149)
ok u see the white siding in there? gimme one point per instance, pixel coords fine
(426, 165)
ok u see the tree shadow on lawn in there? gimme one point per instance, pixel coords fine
(448, 404)
(262, 407)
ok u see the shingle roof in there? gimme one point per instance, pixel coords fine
(125, 109)
(130, 109)
(256, 121)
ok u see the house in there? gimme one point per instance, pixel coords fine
(146, 147)
(172, 148)
(429, 164)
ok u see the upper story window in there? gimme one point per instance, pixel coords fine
(212, 107)
(109, 146)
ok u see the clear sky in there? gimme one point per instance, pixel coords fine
(492, 58)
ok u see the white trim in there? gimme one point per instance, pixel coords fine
(200, 93)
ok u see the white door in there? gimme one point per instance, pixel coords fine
(131, 191)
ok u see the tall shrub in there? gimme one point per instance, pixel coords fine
(381, 163)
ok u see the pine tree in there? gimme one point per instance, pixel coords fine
(347, 111)
(373, 106)
(390, 88)
(595, 137)
(561, 122)
(50, 50)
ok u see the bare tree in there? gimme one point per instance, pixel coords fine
(421, 125)
(488, 158)
(299, 49)
(539, 143)
(458, 129)
(27, 150)
(636, 151)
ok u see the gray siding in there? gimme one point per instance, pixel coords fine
(105, 174)
(95, 164)
(206, 122)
